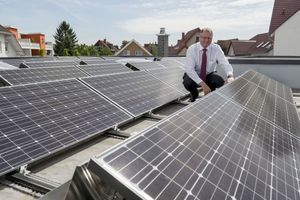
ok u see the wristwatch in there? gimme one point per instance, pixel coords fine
(229, 76)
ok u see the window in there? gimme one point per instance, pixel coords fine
(6, 46)
(138, 53)
(126, 53)
(0, 47)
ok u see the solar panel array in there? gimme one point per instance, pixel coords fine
(171, 64)
(268, 98)
(35, 75)
(137, 92)
(146, 65)
(172, 76)
(92, 62)
(41, 64)
(40, 119)
(216, 148)
(104, 69)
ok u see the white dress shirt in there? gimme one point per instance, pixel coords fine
(215, 56)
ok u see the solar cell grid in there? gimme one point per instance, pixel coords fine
(172, 76)
(137, 92)
(25, 76)
(39, 119)
(91, 62)
(103, 69)
(147, 65)
(171, 64)
(213, 149)
(41, 64)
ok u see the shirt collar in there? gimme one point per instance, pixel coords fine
(203, 48)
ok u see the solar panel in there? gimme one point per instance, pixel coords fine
(270, 85)
(98, 62)
(146, 65)
(41, 64)
(103, 69)
(171, 64)
(35, 75)
(40, 119)
(265, 102)
(172, 76)
(137, 92)
(13, 62)
(180, 60)
(213, 149)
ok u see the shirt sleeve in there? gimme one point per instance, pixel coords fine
(223, 62)
(190, 65)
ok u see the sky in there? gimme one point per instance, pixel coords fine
(118, 20)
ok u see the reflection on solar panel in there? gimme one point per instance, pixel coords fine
(102, 69)
(137, 92)
(13, 62)
(146, 65)
(41, 64)
(213, 149)
(99, 62)
(268, 102)
(40, 119)
(25, 76)
(171, 64)
(172, 76)
(272, 86)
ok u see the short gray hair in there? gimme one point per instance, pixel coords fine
(207, 30)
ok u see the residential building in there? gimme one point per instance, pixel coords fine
(191, 37)
(152, 48)
(259, 45)
(9, 46)
(32, 43)
(163, 43)
(133, 49)
(284, 27)
(105, 44)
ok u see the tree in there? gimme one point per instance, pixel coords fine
(103, 51)
(124, 42)
(65, 38)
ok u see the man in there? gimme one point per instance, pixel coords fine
(201, 61)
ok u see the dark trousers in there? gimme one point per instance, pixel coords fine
(213, 81)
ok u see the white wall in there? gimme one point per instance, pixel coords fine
(2, 47)
(287, 37)
(11, 51)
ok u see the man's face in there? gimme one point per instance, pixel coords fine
(205, 39)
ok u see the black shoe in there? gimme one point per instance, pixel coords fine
(191, 99)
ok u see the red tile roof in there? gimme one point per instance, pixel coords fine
(282, 11)
(183, 42)
(242, 47)
(263, 44)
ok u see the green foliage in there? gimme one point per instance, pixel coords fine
(42, 52)
(124, 42)
(153, 49)
(104, 52)
(65, 38)
(66, 52)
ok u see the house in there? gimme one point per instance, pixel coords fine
(241, 47)
(9, 46)
(32, 43)
(259, 45)
(133, 48)
(225, 45)
(186, 40)
(284, 27)
(105, 44)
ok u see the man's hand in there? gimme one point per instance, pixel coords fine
(205, 88)
(230, 79)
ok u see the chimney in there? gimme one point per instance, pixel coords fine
(182, 35)
(163, 43)
(104, 40)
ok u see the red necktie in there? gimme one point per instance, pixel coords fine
(203, 65)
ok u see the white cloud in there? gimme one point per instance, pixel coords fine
(186, 15)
